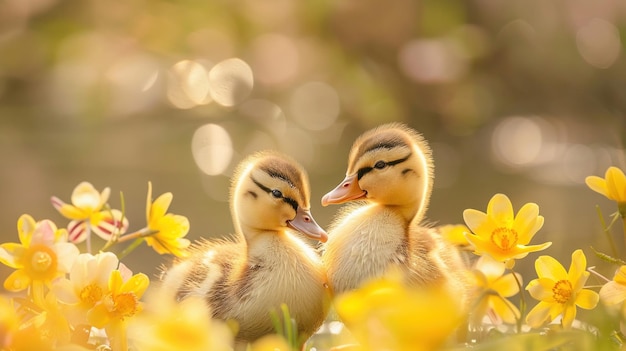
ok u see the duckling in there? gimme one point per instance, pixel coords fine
(390, 178)
(266, 263)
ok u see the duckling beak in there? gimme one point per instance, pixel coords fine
(347, 190)
(305, 224)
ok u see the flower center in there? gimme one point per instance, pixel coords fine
(41, 262)
(504, 238)
(91, 294)
(562, 291)
(125, 305)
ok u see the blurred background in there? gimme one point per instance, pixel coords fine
(525, 98)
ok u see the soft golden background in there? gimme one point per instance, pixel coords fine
(520, 97)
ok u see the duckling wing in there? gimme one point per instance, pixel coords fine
(436, 262)
(199, 274)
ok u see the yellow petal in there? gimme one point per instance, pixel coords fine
(107, 223)
(482, 246)
(569, 314)
(535, 229)
(507, 286)
(522, 251)
(72, 212)
(491, 268)
(505, 309)
(99, 316)
(137, 284)
(501, 209)
(556, 309)
(104, 197)
(25, 227)
(270, 342)
(525, 222)
(587, 299)
(616, 184)
(548, 267)
(173, 226)
(577, 270)
(101, 267)
(176, 247)
(454, 234)
(115, 281)
(11, 253)
(86, 197)
(66, 256)
(538, 315)
(612, 293)
(597, 184)
(620, 275)
(159, 209)
(541, 289)
(474, 219)
(17, 281)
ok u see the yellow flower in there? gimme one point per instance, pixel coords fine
(51, 323)
(9, 322)
(558, 291)
(169, 229)
(613, 186)
(386, 315)
(41, 256)
(272, 342)
(491, 287)
(501, 234)
(87, 284)
(88, 214)
(120, 303)
(168, 325)
(613, 293)
(455, 233)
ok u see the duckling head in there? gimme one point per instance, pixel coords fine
(270, 193)
(390, 165)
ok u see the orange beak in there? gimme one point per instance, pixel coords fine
(347, 190)
(304, 223)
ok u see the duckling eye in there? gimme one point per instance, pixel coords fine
(380, 165)
(276, 193)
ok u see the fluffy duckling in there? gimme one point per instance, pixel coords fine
(390, 169)
(266, 264)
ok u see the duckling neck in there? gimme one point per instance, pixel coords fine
(260, 241)
(409, 212)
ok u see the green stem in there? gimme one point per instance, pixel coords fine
(289, 329)
(88, 241)
(522, 302)
(607, 232)
(140, 234)
(624, 227)
(130, 248)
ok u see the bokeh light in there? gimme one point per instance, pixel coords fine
(212, 149)
(265, 114)
(188, 85)
(133, 82)
(230, 82)
(432, 60)
(315, 105)
(599, 43)
(517, 141)
(275, 59)
(579, 161)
